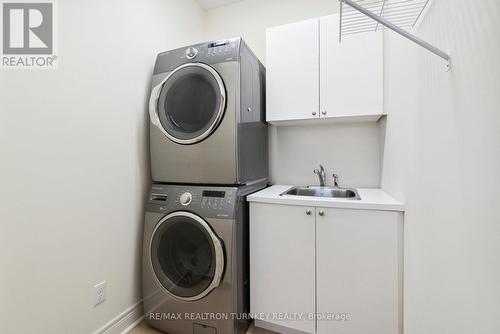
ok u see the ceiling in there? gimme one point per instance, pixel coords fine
(208, 4)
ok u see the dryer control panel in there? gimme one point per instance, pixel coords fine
(213, 52)
(223, 49)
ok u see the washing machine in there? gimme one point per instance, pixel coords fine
(207, 112)
(195, 259)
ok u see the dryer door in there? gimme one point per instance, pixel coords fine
(188, 105)
(186, 255)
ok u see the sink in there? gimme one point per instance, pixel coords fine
(332, 192)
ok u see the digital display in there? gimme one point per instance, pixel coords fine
(214, 193)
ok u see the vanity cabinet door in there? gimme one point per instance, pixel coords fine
(359, 271)
(282, 265)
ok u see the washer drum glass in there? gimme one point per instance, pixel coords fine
(186, 255)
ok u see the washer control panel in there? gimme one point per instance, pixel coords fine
(208, 202)
(216, 199)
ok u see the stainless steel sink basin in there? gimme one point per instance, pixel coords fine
(345, 193)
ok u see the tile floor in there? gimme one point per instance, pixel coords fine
(143, 328)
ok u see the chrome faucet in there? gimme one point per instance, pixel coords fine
(321, 175)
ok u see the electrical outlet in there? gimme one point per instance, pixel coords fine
(99, 293)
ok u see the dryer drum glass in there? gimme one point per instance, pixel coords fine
(190, 103)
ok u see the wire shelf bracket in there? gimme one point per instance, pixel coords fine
(391, 14)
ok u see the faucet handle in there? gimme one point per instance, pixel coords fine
(321, 170)
(335, 180)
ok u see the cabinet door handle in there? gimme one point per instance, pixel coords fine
(314, 113)
(308, 212)
(323, 112)
(321, 213)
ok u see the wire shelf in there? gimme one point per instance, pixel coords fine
(359, 16)
(403, 13)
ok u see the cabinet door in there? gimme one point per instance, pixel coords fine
(351, 72)
(282, 265)
(358, 270)
(292, 71)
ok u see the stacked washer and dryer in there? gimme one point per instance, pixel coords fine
(208, 140)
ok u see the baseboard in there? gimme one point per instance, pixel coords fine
(133, 325)
(276, 328)
(125, 321)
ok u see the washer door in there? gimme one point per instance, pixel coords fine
(188, 105)
(186, 255)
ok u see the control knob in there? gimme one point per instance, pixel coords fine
(191, 52)
(186, 198)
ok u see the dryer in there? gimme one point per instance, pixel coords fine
(195, 259)
(207, 112)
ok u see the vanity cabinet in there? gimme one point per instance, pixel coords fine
(311, 76)
(282, 265)
(344, 265)
(358, 268)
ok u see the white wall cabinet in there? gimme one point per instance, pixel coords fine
(292, 71)
(351, 72)
(337, 263)
(310, 75)
(282, 270)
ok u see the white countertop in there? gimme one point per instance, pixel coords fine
(371, 199)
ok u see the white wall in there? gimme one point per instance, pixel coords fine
(351, 150)
(74, 164)
(442, 156)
